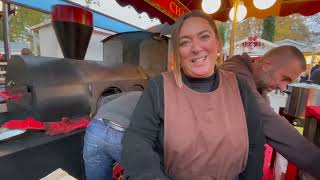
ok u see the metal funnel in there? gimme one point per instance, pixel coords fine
(73, 27)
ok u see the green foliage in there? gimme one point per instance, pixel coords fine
(248, 27)
(268, 30)
(292, 27)
(19, 24)
(275, 28)
(222, 30)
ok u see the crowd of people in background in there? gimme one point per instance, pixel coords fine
(311, 77)
(315, 74)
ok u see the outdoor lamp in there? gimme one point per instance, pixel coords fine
(263, 4)
(242, 12)
(210, 6)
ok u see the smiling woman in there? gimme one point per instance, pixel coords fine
(195, 50)
(198, 48)
(173, 125)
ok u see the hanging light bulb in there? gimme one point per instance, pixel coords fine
(11, 8)
(210, 6)
(263, 4)
(242, 12)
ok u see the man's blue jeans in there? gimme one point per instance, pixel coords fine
(102, 148)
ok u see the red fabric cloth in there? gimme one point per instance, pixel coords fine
(267, 170)
(10, 95)
(313, 112)
(53, 128)
(117, 173)
(292, 172)
(28, 123)
(65, 126)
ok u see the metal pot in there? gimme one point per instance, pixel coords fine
(301, 95)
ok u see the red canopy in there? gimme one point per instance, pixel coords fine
(170, 10)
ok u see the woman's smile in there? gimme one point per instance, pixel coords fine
(200, 60)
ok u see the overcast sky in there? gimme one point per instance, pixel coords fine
(126, 14)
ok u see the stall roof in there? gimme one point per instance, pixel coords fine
(169, 10)
(291, 42)
(99, 20)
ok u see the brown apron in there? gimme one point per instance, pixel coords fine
(205, 134)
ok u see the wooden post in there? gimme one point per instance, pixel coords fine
(5, 16)
(234, 27)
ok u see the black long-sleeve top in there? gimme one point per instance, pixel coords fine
(142, 154)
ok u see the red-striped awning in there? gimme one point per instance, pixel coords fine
(169, 10)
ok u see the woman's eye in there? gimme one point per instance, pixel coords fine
(183, 43)
(206, 36)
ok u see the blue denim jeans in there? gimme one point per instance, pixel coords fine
(102, 148)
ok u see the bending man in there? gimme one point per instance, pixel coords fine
(277, 68)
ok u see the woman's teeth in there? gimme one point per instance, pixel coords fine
(200, 60)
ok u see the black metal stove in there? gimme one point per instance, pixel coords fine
(52, 88)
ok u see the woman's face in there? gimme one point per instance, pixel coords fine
(198, 48)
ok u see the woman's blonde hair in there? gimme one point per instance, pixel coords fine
(175, 41)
